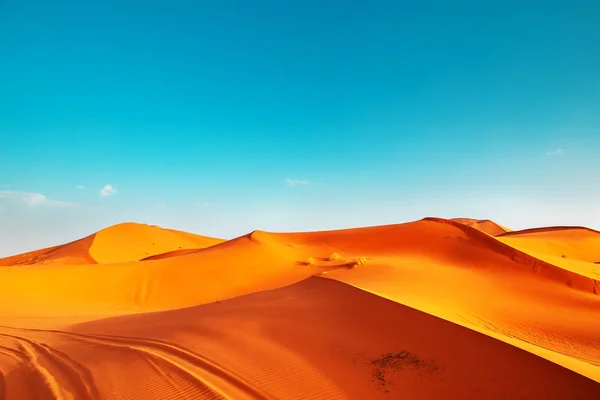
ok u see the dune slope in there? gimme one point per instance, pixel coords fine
(484, 225)
(74, 253)
(250, 263)
(575, 249)
(116, 244)
(317, 339)
(572, 243)
(133, 242)
(465, 276)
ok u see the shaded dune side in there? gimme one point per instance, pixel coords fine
(469, 278)
(256, 236)
(287, 343)
(535, 265)
(24, 258)
(446, 240)
(73, 253)
(171, 254)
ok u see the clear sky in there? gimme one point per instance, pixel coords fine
(220, 117)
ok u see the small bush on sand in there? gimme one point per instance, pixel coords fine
(334, 256)
(310, 261)
(356, 263)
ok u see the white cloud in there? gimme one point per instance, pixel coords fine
(32, 199)
(292, 182)
(79, 187)
(35, 199)
(108, 190)
(556, 152)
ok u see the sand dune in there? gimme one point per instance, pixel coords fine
(133, 242)
(286, 343)
(119, 243)
(431, 309)
(575, 249)
(484, 225)
(574, 243)
(253, 262)
(74, 253)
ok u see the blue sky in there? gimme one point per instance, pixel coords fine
(197, 112)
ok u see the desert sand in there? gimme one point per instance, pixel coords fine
(431, 309)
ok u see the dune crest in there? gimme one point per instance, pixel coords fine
(484, 225)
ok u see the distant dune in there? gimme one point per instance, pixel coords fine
(133, 242)
(431, 309)
(119, 243)
(74, 253)
(484, 225)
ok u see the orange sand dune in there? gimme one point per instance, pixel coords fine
(575, 243)
(449, 242)
(253, 262)
(132, 242)
(575, 249)
(460, 274)
(74, 253)
(484, 225)
(118, 243)
(170, 254)
(317, 339)
(431, 309)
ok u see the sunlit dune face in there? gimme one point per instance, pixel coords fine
(133, 242)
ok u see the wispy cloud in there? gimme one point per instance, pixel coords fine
(32, 199)
(79, 187)
(293, 182)
(108, 190)
(556, 152)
